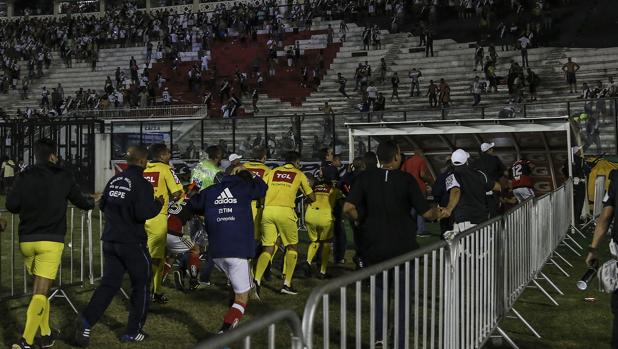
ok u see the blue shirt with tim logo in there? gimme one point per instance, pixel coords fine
(228, 218)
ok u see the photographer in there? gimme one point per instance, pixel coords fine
(609, 202)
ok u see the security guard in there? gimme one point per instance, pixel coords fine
(279, 217)
(127, 202)
(39, 196)
(319, 219)
(162, 177)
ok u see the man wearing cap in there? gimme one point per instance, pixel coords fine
(467, 189)
(494, 169)
(234, 162)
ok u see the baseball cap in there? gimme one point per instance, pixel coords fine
(234, 157)
(459, 157)
(486, 146)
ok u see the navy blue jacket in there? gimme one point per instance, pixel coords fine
(127, 202)
(226, 208)
(440, 195)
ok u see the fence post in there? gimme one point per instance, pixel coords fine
(525, 110)
(405, 116)
(233, 134)
(482, 112)
(202, 134)
(569, 108)
(334, 127)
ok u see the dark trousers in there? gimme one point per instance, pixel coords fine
(340, 239)
(120, 258)
(615, 321)
(493, 203)
(580, 194)
(378, 297)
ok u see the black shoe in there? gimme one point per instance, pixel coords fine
(340, 261)
(289, 290)
(128, 338)
(21, 344)
(159, 298)
(323, 276)
(224, 328)
(178, 280)
(268, 275)
(49, 340)
(82, 333)
(307, 270)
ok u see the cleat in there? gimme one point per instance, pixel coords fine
(224, 328)
(21, 344)
(82, 333)
(139, 337)
(289, 290)
(257, 289)
(159, 298)
(50, 340)
(323, 276)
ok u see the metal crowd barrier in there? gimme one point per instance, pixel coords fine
(244, 332)
(452, 294)
(76, 265)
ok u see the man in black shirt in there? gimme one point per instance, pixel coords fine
(127, 202)
(380, 203)
(610, 201)
(494, 169)
(39, 196)
(579, 182)
(467, 187)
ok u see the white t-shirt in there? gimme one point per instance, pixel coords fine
(372, 92)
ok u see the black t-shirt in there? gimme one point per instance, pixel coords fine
(384, 199)
(490, 165)
(472, 206)
(611, 200)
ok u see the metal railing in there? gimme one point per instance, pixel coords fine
(77, 263)
(450, 294)
(244, 332)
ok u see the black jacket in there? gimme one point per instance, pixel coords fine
(127, 202)
(39, 196)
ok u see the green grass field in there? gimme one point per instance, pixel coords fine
(193, 316)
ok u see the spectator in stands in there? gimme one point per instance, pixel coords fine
(225, 90)
(479, 53)
(428, 43)
(522, 185)
(366, 37)
(395, 85)
(44, 98)
(377, 38)
(432, 94)
(167, 97)
(467, 188)
(414, 76)
(358, 72)
(570, 68)
(533, 83)
(8, 169)
(380, 105)
(524, 43)
(476, 90)
(386, 195)
(191, 152)
(593, 133)
(372, 94)
(445, 94)
(342, 82)
(383, 69)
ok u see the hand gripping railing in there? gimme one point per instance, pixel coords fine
(245, 331)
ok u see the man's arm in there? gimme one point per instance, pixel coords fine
(350, 211)
(454, 196)
(599, 232)
(77, 198)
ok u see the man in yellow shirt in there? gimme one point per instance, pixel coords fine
(258, 168)
(319, 220)
(162, 177)
(279, 217)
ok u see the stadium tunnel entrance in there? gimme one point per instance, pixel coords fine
(544, 141)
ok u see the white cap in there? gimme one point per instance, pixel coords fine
(459, 157)
(235, 157)
(486, 146)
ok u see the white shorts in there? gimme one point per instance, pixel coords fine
(237, 271)
(523, 194)
(178, 244)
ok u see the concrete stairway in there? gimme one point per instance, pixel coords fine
(79, 76)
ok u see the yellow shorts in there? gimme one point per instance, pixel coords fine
(42, 258)
(279, 221)
(156, 230)
(257, 221)
(319, 225)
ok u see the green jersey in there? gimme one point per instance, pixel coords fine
(204, 174)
